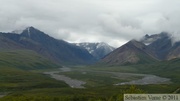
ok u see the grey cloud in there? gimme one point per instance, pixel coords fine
(112, 21)
(116, 27)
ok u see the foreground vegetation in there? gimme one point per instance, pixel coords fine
(113, 93)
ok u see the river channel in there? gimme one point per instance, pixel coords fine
(74, 83)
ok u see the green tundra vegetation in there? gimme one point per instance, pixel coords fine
(71, 94)
(21, 79)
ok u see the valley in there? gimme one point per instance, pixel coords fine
(37, 67)
(88, 82)
(88, 50)
(86, 75)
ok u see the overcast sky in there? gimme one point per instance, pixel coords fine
(112, 21)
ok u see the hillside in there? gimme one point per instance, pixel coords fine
(8, 44)
(16, 71)
(161, 46)
(25, 60)
(151, 48)
(57, 51)
(130, 53)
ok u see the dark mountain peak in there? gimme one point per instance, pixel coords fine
(146, 36)
(21, 30)
(135, 43)
(31, 30)
(132, 42)
(164, 34)
(34, 34)
(149, 39)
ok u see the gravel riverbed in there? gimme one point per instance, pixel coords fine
(71, 82)
(144, 80)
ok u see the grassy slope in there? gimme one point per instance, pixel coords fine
(17, 80)
(15, 71)
(24, 59)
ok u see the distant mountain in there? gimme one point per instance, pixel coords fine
(98, 50)
(149, 49)
(163, 46)
(58, 51)
(130, 53)
(148, 39)
(160, 46)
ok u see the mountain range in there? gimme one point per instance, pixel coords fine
(58, 51)
(150, 48)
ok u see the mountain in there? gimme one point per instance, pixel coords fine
(160, 45)
(174, 51)
(150, 48)
(130, 53)
(98, 50)
(56, 50)
(6, 44)
(148, 39)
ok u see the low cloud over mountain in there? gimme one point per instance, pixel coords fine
(151, 48)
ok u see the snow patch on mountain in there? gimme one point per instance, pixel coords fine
(20, 30)
(98, 50)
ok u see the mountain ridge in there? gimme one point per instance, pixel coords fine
(151, 48)
(58, 51)
(129, 53)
